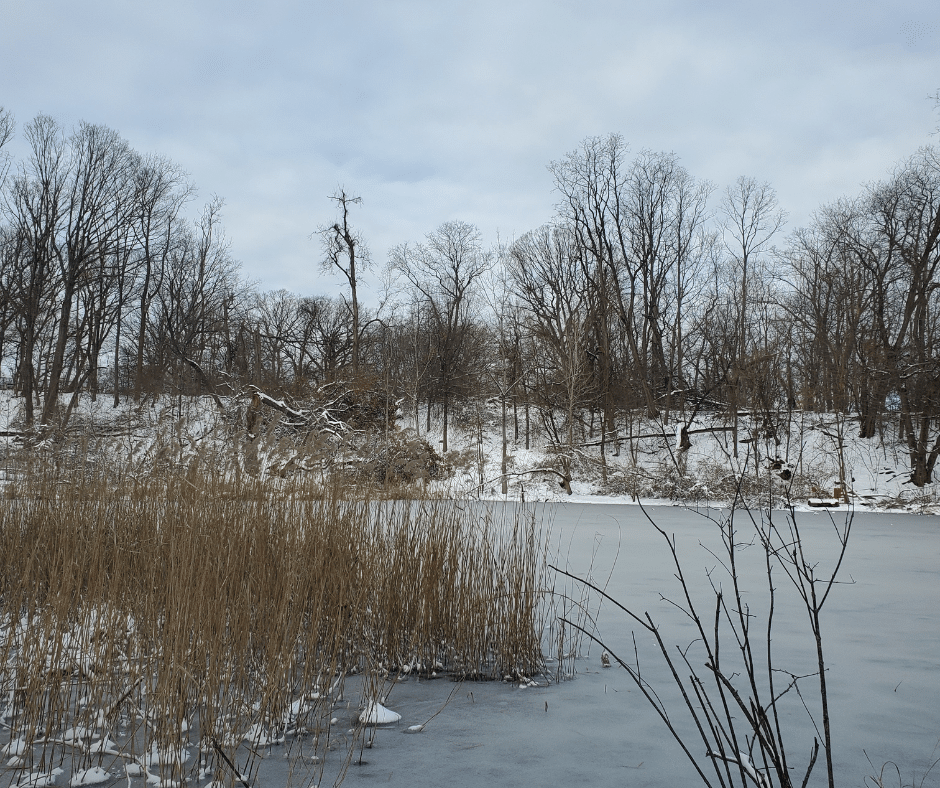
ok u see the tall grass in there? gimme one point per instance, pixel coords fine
(178, 610)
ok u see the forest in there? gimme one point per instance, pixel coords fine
(649, 295)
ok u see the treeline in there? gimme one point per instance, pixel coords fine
(649, 295)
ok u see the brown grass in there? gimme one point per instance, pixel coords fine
(713, 481)
(184, 607)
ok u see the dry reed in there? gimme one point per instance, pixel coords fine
(146, 615)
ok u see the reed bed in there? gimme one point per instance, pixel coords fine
(171, 624)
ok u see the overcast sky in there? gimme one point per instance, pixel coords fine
(433, 111)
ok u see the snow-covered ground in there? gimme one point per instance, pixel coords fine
(818, 452)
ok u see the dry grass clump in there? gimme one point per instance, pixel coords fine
(145, 617)
(917, 500)
(712, 481)
(758, 485)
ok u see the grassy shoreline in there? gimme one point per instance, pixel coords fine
(172, 614)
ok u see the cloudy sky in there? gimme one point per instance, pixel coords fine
(434, 110)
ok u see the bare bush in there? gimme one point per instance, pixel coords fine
(738, 698)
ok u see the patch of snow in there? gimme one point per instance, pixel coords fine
(15, 747)
(93, 776)
(103, 746)
(171, 755)
(259, 737)
(39, 779)
(76, 735)
(377, 714)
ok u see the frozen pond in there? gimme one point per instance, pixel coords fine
(882, 639)
(882, 643)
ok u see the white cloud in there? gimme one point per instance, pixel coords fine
(435, 110)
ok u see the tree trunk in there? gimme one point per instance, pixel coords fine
(527, 425)
(869, 410)
(117, 349)
(923, 456)
(256, 354)
(355, 312)
(58, 355)
(28, 375)
(445, 422)
(505, 482)
(141, 335)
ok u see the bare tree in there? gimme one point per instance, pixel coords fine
(640, 227)
(6, 258)
(589, 180)
(343, 250)
(445, 271)
(936, 104)
(199, 283)
(736, 692)
(508, 373)
(327, 338)
(35, 204)
(7, 127)
(900, 335)
(867, 294)
(553, 289)
(96, 201)
(276, 316)
(824, 307)
(11, 255)
(750, 218)
(416, 351)
(160, 192)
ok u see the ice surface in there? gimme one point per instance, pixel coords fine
(882, 647)
(882, 640)
(15, 747)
